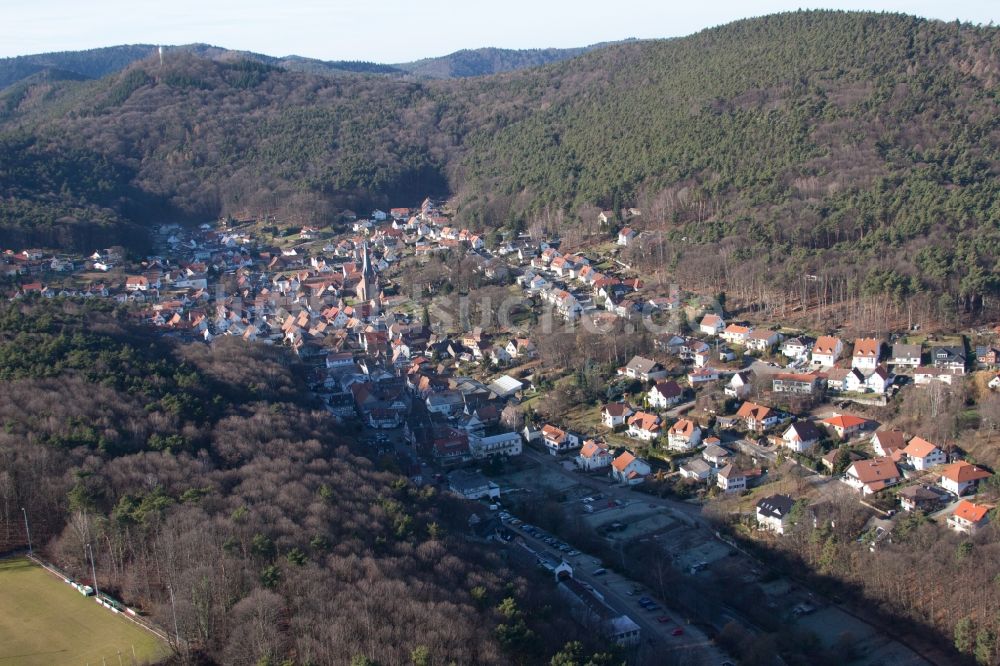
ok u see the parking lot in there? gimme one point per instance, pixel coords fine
(676, 529)
(664, 630)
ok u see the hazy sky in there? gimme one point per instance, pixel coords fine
(398, 30)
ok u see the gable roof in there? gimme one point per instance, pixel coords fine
(804, 430)
(641, 365)
(711, 320)
(592, 448)
(918, 447)
(974, 513)
(867, 347)
(963, 472)
(731, 472)
(750, 410)
(553, 433)
(617, 409)
(622, 461)
(890, 439)
(668, 389)
(871, 472)
(683, 428)
(776, 506)
(826, 344)
(645, 421)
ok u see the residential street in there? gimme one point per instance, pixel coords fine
(697, 648)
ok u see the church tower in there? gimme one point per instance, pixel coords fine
(368, 285)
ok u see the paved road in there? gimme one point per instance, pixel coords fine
(696, 647)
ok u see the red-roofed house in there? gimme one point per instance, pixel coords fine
(593, 455)
(826, 351)
(711, 324)
(136, 283)
(921, 454)
(958, 477)
(735, 334)
(558, 440)
(866, 354)
(683, 435)
(969, 517)
(871, 476)
(644, 426)
(626, 468)
(846, 425)
(756, 418)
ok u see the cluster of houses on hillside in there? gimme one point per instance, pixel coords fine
(330, 299)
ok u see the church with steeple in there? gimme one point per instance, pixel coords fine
(368, 286)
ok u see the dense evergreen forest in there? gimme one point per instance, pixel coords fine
(207, 469)
(860, 149)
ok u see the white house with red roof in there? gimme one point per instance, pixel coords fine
(702, 376)
(969, 517)
(826, 351)
(626, 468)
(558, 440)
(593, 455)
(712, 324)
(683, 435)
(866, 354)
(960, 477)
(921, 454)
(871, 476)
(735, 334)
(757, 418)
(644, 426)
(846, 425)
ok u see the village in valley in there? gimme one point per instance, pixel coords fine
(706, 433)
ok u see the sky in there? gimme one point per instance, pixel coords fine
(390, 31)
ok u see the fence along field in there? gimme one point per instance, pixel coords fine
(44, 621)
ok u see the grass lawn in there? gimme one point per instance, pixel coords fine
(45, 621)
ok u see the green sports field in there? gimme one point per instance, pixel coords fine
(45, 621)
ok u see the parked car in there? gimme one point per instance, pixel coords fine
(677, 632)
(663, 619)
(600, 572)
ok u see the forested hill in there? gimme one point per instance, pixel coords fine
(229, 505)
(865, 145)
(95, 63)
(486, 61)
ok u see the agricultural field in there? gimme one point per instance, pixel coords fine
(44, 621)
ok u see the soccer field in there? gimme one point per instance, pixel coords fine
(45, 621)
